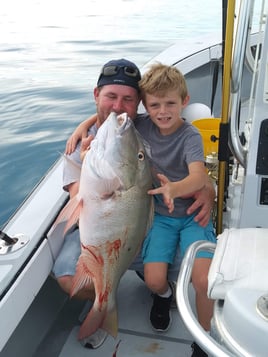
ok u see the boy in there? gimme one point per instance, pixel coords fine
(178, 169)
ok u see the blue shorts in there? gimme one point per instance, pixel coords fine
(65, 263)
(169, 234)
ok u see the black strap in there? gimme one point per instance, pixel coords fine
(7, 238)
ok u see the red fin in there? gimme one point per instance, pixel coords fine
(69, 214)
(92, 322)
(103, 314)
(83, 275)
(107, 320)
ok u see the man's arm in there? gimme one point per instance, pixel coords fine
(79, 133)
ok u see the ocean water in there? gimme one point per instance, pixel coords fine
(51, 52)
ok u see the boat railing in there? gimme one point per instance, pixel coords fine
(210, 345)
(242, 36)
(242, 54)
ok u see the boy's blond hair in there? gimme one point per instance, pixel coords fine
(161, 78)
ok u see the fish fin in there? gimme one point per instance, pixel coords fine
(83, 276)
(114, 184)
(69, 214)
(95, 316)
(74, 213)
(92, 322)
(107, 320)
(99, 316)
(107, 188)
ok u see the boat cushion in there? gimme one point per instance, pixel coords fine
(240, 259)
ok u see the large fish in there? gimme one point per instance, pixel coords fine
(114, 213)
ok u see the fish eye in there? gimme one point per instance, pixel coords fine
(141, 156)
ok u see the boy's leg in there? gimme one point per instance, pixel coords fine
(204, 305)
(156, 279)
(173, 272)
(191, 233)
(159, 250)
(173, 269)
(155, 275)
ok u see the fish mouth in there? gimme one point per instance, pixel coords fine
(123, 122)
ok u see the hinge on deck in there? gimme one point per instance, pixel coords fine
(11, 244)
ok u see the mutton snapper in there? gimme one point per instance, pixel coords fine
(114, 213)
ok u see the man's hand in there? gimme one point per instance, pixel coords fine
(85, 146)
(80, 133)
(204, 200)
(73, 140)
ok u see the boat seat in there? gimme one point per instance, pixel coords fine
(240, 260)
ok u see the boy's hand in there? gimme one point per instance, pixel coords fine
(204, 199)
(165, 190)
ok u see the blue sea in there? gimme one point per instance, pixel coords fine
(51, 52)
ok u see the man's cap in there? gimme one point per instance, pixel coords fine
(120, 71)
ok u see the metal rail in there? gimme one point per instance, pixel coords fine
(200, 335)
(242, 36)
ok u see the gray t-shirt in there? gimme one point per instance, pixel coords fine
(171, 155)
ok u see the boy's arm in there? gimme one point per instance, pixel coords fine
(195, 181)
(79, 133)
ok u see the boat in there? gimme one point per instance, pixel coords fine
(227, 78)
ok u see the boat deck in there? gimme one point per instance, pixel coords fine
(135, 335)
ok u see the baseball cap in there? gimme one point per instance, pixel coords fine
(120, 71)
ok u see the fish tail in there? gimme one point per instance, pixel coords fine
(107, 320)
(92, 322)
(110, 323)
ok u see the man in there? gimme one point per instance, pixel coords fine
(117, 90)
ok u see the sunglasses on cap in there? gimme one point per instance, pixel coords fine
(128, 71)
